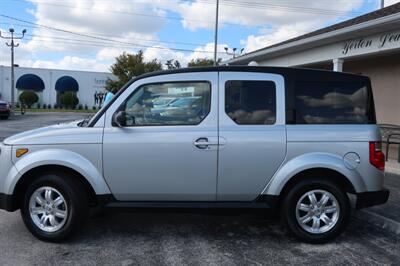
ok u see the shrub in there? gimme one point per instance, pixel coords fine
(55, 106)
(49, 106)
(28, 98)
(69, 100)
(86, 107)
(94, 107)
(80, 107)
(44, 106)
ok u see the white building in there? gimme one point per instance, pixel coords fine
(48, 84)
(368, 45)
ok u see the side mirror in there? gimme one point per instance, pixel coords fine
(119, 119)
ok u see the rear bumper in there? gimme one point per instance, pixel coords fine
(368, 199)
(7, 203)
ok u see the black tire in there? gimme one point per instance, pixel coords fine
(288, 210)
(76, 200)
(4, 117)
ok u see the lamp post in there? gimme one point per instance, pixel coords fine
(12, 44)
(233, 53)
(216, 33)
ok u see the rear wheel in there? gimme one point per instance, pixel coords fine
(54, 207)
(316, 211)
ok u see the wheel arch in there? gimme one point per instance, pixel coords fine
(62, 158)
(55, 159)
(325, 166)
(325, 174)
(28, 177)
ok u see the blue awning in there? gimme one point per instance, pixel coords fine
(30, 82)
(67, 83)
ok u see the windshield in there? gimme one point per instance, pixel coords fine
(100, 112)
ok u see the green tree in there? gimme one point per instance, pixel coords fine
(69, 99)
(173, 64)
(128, 66)
(28, 98)
(202, 62)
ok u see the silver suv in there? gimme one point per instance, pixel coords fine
(297, 140)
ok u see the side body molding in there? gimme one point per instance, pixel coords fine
(61, 157)
(298, 164)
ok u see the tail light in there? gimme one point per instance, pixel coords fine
(376, 156)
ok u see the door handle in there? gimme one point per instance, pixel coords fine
(203, 143)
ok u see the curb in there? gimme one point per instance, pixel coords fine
(392, 167)
(392, 170)
(378, 220)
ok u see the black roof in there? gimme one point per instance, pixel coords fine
(292, 72)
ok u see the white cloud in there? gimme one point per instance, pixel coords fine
(109, 54)
(285, 25)
(165, 54)
(71, 63)
(277, 35)
(109, 19)
(282, 20)
(201, 14)
(391, 2)
(207, 51)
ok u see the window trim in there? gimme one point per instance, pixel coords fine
(276, 102)
(164, 82)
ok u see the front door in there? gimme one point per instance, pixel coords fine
(252, 133)
(167, 148)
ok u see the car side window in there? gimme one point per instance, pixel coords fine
(251, 102)
(332, 103)
(173, 103)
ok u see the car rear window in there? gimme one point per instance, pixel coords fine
(318, 102)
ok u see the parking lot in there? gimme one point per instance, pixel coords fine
(172, 238)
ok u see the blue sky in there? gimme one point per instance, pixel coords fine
(99, 30)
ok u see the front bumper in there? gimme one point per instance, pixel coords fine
(368, 199)
(7, 203)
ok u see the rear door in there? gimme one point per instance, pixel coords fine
(252, 133)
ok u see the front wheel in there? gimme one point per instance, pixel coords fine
(316, 211)
(54, 207)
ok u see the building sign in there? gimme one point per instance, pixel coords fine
(99, 84)
(100, 81)
(382, 41)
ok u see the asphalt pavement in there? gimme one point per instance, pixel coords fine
(173, 238)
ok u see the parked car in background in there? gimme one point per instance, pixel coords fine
(186, 107)
(5, 110)
(295, 140)
(162, 102)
